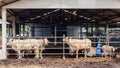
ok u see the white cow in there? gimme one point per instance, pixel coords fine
(78, 44)
(20, 46)
(28, 45)
(92, 52)
(108, 49)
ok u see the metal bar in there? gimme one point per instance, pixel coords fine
(45, 53)
(85, 48)
(19, 53)
(90, 37)
(62, 42)
(54, 53)
(63, 48)
(41, 51)
(55, 33)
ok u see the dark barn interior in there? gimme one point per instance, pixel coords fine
(75, 23)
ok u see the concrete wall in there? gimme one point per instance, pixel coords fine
(53, 4)
(65, 4)
(108, 3)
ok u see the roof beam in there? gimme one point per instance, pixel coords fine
(102, 18)
(18, 12)
(114, 11)
(12, 13)
(7, 3)
(8, 9)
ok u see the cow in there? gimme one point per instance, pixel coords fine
(78, 44)
(28, 45)
(40, 46)
(19, 45)
(92, 52)
(107, 49)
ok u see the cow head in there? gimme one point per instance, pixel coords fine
(67, 39)
(10, 42)
(45, 41)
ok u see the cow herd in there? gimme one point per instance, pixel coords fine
(28, 45)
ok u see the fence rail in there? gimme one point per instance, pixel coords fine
(62, 47)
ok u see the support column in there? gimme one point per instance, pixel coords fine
(4, 33)
(14, 27)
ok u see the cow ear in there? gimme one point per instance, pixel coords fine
(66, 38)
(70, 38)
(12, 39)
(45, 39)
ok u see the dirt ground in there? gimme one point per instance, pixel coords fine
(58, 62)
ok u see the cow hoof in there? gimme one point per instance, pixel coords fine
(64, 58)
(19, 58)
(36, 57)
(41, 57)
(76, 57)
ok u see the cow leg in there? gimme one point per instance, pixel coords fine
(77, 53)
(110, 54)
(71, 50)
(41, 54)
(37, 53)
(19, 54)
(102, 54)
(85, 54)
(23, 54)
(106, 54)
(91, 51)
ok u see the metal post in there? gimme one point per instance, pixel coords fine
(4, 34)
(55, 33)
(79, 32)
(41, 51)
(85, 47)
(107, 37)
(14, 27)
(19, 49)
(63, 48)
(107, 34)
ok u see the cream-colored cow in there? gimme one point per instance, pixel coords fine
(28, 45)
(78, 44)
(108, 49)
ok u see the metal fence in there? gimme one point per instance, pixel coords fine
(58, 47)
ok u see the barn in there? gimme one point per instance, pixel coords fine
(55, 19)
